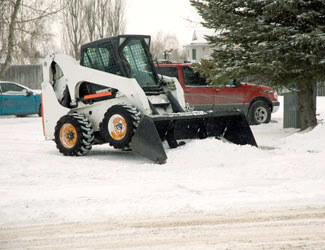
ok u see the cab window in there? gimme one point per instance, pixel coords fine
(134, 53)
(100, 58)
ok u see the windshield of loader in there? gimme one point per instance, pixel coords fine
(137, 60)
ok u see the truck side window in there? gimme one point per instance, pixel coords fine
(168, 71)
(192, 78)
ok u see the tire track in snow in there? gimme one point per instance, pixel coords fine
(282, 228)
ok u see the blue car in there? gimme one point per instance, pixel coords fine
(18, 100)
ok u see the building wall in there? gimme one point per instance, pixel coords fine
(201, 51)
(27, 75)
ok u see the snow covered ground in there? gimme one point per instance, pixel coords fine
(40, 186)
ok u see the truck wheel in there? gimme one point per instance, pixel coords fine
(119, 125)
(73, 135)
(258, 113)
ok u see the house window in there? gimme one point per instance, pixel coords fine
(193, 54)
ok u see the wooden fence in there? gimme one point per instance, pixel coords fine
(27, 75)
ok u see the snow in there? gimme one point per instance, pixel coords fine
(39, 185)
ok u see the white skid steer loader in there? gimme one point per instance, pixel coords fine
(115, 96)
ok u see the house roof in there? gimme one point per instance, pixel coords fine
(198, 38)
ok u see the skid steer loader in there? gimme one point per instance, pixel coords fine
(115, 96)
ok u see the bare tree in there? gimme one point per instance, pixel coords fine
(73, 18)
(4, 11)
(116, 23)
(22, 28)
(111, 17)
(33, 31)
(10, 45)
(102, 13)
(166, 47)
(104, 18)
(157, 46)
(90, 19)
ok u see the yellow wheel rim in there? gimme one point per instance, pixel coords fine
(68, 135)
(117, 127)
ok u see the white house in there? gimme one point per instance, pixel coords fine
(198, 48)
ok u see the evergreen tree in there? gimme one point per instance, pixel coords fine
(278, 41)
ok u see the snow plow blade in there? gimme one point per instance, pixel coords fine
(147, 141)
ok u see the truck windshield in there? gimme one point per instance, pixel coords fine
(137, 61)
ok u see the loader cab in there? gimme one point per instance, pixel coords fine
(124, 55)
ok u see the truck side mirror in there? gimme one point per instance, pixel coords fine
(236, 83)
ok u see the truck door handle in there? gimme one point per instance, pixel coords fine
(217, 90)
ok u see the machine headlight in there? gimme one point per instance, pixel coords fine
(171, 84)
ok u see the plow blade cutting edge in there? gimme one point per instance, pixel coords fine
(147, 140)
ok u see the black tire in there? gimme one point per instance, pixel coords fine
(258, 113)
(119, 125)
(40, 110)
(74, 135)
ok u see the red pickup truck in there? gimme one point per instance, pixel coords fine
(256, 101)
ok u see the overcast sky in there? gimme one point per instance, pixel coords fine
(149, 17)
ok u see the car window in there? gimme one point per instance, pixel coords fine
(168, 71)
(192, 78)
(12, 89)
